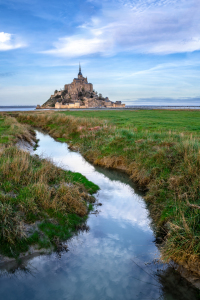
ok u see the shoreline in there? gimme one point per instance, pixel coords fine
(127, 108)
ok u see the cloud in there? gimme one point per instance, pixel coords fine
(160, 68)
(145, 26)
(78, 46)
(9, 41)
(180, 46)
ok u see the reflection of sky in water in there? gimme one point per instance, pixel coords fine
(128, 206)
(100, 263)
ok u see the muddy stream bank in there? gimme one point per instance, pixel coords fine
(117, 258)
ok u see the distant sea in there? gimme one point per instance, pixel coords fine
(162, 107)
(17, 108)
(145, 107)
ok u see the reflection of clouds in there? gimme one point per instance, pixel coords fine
(120, 201)
(93, 269)
(114, 236)
(123, 204)
(62, 155)
(98, 265)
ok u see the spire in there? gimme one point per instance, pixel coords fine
(79, 69)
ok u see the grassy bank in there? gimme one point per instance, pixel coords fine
(40, 204)
(160, 150)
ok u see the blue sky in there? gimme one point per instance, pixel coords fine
(139, 51)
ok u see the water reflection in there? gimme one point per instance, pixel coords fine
(128, 206)
(115, 259)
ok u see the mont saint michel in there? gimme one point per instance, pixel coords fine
(79, 94)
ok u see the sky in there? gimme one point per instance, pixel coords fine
(137, 51)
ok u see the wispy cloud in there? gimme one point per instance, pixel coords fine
(138, 26)
(9, 41)
(160, 68)
(78, 46)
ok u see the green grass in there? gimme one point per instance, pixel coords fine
(63, 140)
(4, 132)
(11, 131)
(151, 120)
(66, 227)
(33, 189)
(159, 149)
(79, 178)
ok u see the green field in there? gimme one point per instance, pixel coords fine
(159, 120)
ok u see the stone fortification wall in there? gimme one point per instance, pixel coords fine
(89, 103)
(69, 105)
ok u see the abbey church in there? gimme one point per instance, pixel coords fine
(78, 85)
(79, 94)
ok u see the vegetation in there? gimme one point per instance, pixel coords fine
(51, 102)
(186, 121)
(160, 150)
(11, 131)
(40, 204)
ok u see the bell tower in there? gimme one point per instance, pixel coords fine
(80, 76)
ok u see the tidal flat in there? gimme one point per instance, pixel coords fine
(159, 150)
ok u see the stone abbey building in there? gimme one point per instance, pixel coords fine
(79, 94)
(78, 85)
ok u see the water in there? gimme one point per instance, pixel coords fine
(115, 259)
(132, 107)
(17, 108)
(150, 107)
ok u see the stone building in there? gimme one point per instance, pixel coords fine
(78, 85)
(79, 94)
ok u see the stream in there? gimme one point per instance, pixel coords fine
(117, 258)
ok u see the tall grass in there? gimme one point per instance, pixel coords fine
(165, 163)
(34, 189)
(12, 131)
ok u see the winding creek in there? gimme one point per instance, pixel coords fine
(116, 258)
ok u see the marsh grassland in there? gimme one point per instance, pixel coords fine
(40, 204)
(160, 150)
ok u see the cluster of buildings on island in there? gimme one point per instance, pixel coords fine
(79, 94)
